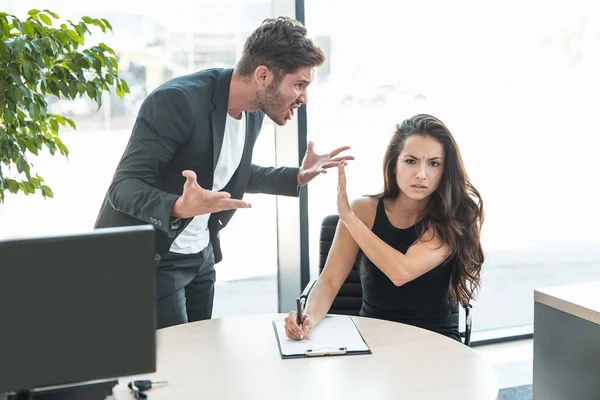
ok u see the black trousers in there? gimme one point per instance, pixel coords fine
(185, 287)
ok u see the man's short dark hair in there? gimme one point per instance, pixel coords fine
(282, 45)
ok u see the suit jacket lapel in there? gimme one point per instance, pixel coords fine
(219, 115)
(249, 141)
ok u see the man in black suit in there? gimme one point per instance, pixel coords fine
(188, 162)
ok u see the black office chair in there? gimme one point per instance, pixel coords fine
(349, 299)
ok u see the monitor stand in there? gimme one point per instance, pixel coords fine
(97, 390)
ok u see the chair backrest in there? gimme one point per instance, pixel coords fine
(349, 299)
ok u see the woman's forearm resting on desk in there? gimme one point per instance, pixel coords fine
(423, 256)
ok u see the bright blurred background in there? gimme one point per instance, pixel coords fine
(517, 83)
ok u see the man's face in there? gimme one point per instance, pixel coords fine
(279, 101)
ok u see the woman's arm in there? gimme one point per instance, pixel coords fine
(340, 260)
(424, 255)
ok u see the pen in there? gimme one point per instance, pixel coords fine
(299, 314)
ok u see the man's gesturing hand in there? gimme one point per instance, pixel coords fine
(196, 200)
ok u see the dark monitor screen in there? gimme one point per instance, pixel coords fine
(75, 308)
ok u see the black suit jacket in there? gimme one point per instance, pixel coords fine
(181, 126)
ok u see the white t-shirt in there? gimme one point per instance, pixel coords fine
(195, 237)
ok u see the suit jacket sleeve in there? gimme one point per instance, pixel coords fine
(162, 126)
(281, 181)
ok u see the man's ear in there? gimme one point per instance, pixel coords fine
(263, 75)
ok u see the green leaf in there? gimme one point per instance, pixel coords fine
(55, 15)
(31, 146)
(97, 66)
(53, 88)
(5, 28)
(9, 116)
(88, 59)
(105, 47)
(107, 24)
(29, 29)
(73, 89)
(82, 63)
(99, 99)
(124, 86)
(29, 186)
(54, 125)
(47, 192)
(96, 22)
(59, 119)
(17, 94)
(91, 90)
(45, 18)
(33, 12)
(19, 45)
(63, 149)
(27, 170)
(63, 39)
(12, 185)
(71, 122)
(81, 28)
(34, 111)
(64, 89)
(19, 25)
(15, 73)
(74, 36)
(51, 147)
(26, 92)
(21, 164)
(27, 70)
(21, 115)
(43, 109)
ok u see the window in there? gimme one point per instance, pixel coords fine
(517, 85)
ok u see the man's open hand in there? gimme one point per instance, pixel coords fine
(316, 164)
(196, 200)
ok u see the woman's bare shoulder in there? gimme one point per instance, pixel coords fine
(365, 209)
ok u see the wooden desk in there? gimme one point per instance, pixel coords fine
(566, 342)
(238, 358)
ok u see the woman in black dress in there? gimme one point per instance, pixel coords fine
(417, 243)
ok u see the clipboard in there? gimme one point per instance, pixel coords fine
(334, 336)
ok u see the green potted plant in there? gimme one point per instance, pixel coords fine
(38, 59)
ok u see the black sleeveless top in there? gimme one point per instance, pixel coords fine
(423, 302)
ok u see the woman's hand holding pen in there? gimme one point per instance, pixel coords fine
(295, 331)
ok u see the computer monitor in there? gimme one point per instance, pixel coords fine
(76, 308)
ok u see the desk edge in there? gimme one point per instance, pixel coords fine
(568, 307)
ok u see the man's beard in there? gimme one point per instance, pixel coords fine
(271, 102)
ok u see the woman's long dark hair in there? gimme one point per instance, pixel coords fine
(455, 209)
